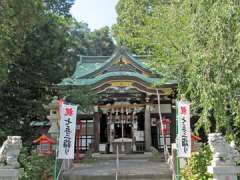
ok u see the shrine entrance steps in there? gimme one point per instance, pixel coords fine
(131, 167)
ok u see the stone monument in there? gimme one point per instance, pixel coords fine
(9, 152)
(223, 165)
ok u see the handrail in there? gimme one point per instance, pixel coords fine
(165, 148)
(117, 163)
(60, 170)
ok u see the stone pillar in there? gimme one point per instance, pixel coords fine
(111, 138)
(223, 165)
(96, 121)
(147, 129)
(134, 130)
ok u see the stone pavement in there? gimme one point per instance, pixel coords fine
(134, 169)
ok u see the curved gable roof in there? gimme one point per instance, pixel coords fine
(124, 75)
(88, 66)
(93, 70)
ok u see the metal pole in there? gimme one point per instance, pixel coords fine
(60, 170)
(178, 160)
(161, 123)
(158, 136)
(78, 139)
(117, 164)
(55, 164)
(122, 129)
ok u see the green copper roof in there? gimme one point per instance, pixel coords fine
(90, 64)
(83, 69)
(80, 82)
(91, 70)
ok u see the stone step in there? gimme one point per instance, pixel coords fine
(100, 156)
(145, 155)
(132, 177)
(132, 169)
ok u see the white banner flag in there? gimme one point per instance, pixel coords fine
(68, 114)
(184, 129)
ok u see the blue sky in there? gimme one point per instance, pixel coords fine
(97, 13)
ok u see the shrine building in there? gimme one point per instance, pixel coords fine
(127, 112)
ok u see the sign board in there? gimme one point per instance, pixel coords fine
(139, 135)
(165, 108)
(184, 129)
(68, 114)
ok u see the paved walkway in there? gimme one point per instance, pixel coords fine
(134, 169)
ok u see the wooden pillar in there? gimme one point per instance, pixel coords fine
(147, 128)
(96, 121)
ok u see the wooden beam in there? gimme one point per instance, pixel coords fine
(121, 106)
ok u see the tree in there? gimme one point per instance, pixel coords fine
(101, 42)
(84, 97)
(92, 43)
(16, 18)
(39, 63)
(213, 68)
(39, 46)
(197, 44)
(131, 22)
(59, 7)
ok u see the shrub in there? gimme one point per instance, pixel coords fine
(36, 167)
(196, 168)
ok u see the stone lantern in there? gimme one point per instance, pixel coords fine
(53, 117)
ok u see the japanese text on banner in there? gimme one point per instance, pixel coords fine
(184, 130)
(68, 114)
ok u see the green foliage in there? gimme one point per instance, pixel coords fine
(60, 7)
(91, 43)
(131, 21)
(196, 168)
(39, 45)
(100, 42)
(36, 167)
(16, 18)
(40, 62)
(197, 44)
(84, 97)
(215, 63)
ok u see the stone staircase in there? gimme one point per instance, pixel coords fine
(132, 167)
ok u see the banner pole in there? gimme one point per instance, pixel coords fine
(178, 162)
(60, 102)
(55, 164)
